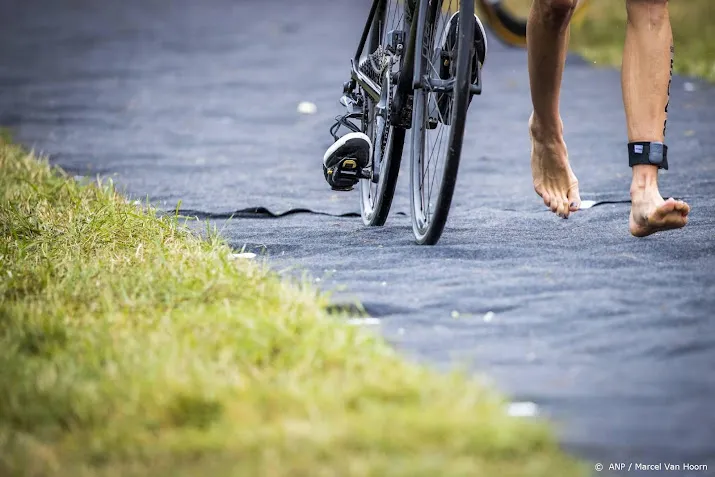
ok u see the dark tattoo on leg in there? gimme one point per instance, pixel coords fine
(672, 55)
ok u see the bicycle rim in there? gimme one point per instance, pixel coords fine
(438, 123)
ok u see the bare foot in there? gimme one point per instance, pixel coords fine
(554, 180)
(650, 213)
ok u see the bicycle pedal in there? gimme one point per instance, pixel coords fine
(345, 174)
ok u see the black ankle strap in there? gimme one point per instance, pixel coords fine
(652, 153)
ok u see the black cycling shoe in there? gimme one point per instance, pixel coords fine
(447, 52)
(345, 160)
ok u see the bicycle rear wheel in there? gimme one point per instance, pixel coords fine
(438, 118)
(381, 63)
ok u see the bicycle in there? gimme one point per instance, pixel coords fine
(402, 79)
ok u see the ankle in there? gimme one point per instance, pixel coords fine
(546, 130)
(645, 179)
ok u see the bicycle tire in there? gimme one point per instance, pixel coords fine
(428, 225)
(376, 199)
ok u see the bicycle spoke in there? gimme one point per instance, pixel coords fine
(429, 176)
(434, 145)
(440, 132)
(439, 150)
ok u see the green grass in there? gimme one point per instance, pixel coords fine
(128, 346)
(600, 36)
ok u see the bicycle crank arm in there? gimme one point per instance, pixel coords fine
(368, 173)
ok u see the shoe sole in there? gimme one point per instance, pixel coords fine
(353, 145)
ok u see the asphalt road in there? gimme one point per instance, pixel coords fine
(613, 337)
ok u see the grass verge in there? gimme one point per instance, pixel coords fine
(130, 347)
(601, 34)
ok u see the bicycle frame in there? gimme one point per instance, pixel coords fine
(409, 78)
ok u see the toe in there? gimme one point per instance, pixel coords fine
(539, 189)
(664, 209)
(563, 208)
(554, 204)
(547, 198)
(682, 207)
(668, 215)
(574, 198)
